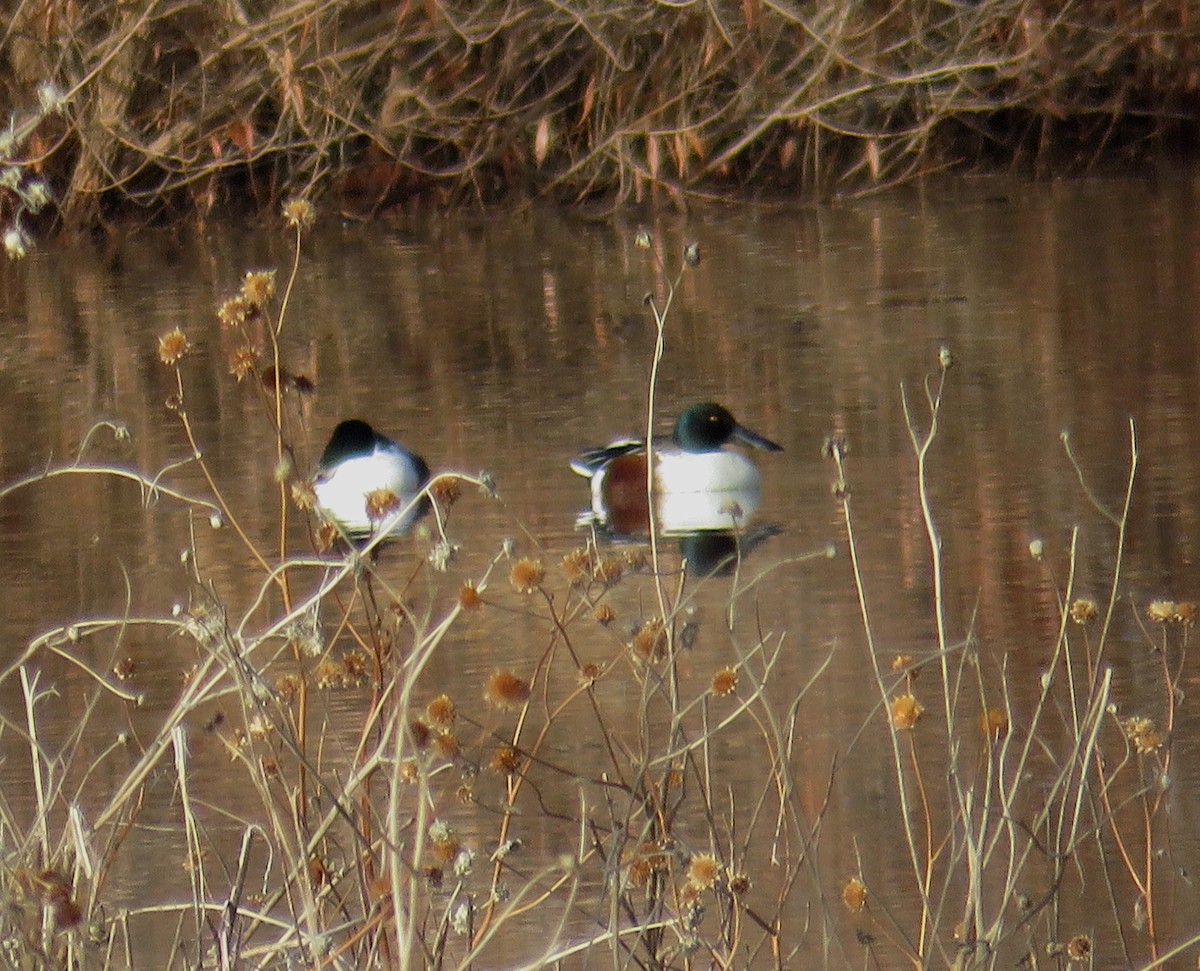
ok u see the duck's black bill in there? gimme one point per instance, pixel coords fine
(755, 440)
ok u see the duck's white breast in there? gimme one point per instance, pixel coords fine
(726, 470)
(342, 493)
(706, 491)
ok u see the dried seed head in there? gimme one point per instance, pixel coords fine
(173, 347)
(703, 870)
(234, 312)
(354, 668)
(468, 597)
(739, 884)
(650, 642)
(993, 724)
(506, 690)
(906, 710)
(1160, 611)
(299, 214)
(527, 575)
(381, 503)
(1083, 610)
(447, 745)
(243, 362)
(650, 858)
(260, 726)
(441, 712)
(1142, 733)
(446, 490)
(420, 733)
(639, 872)
(577, 565)
(304, 495)
(589, 673)
(258, 287)
(1079, 947)
(854, 895)
(287, 686)
(16, 242)
(609, 570)
(505, 760)
(604, 614)
(327, 536)
(327, 674)
(445, 844)
(1168, 611)
(724, 682)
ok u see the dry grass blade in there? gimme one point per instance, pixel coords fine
(181, 106)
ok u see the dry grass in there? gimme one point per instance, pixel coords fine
(361, 859)
(186, 107)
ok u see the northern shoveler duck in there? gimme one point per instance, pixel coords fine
(366, 483)
(700, 483)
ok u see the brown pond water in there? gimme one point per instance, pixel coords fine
(507, 343)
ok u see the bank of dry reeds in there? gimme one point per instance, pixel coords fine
(186, 106)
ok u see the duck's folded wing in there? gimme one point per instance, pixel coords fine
(593, 460)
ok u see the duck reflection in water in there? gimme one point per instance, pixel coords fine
(705, 491)
(715, 552)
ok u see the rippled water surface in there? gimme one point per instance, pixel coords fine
(508, 342)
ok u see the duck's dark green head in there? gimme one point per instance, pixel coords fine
(707, 426)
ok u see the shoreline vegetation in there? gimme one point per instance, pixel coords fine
(181, 109)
